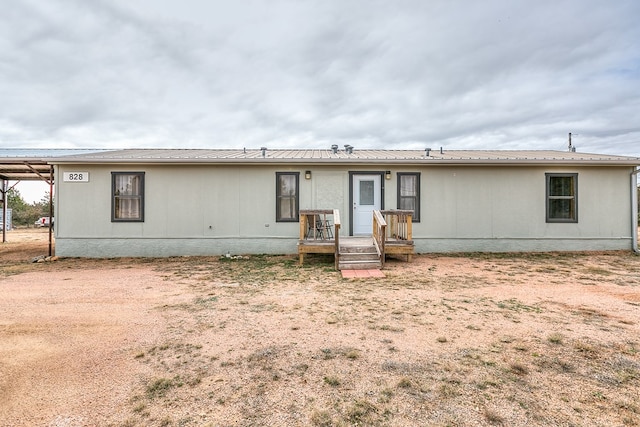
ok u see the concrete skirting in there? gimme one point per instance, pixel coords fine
(430, 245)
(135, 247)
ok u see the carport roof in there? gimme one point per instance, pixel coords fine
(32, 164)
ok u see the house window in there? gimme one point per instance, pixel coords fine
(562, 197)
(127, 196)
(409, 193)
(287, 196)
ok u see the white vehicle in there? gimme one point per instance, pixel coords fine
(43, 221)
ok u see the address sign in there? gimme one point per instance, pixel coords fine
(75, 176)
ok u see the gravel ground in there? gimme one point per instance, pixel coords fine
(529, 339)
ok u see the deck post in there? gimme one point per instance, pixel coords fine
(409, 233)
(336, 237)
(303, 230)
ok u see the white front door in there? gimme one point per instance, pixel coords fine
(367, 193)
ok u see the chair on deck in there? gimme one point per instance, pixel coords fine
(319, 228)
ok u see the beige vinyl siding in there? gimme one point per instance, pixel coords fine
(211, 209)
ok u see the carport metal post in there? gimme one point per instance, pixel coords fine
(4, 210)
(50, 211)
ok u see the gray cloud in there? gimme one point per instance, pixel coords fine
(407, 74)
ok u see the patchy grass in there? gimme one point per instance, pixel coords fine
(160, 386)
(493, 417)
(322, 418)
(467, 339)
(331, 380)
(518, 368)
(379, 316)
(514, 305)
(404, 383)
(556, 338)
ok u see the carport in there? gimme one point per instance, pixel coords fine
(26, 165)
(32, 164)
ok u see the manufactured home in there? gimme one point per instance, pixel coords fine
(169, 202)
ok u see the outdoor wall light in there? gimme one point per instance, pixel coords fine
(307, 175)
(387, 175)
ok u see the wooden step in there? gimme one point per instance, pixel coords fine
(359, 254)
(354, 256)
(360, 265)
(359, 261)
(357, 249)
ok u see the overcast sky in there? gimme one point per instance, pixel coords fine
(307, 74)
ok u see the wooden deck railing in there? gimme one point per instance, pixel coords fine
(379, 234)
(399, 236)
(319, 232)
(399, 224)
(315, 224)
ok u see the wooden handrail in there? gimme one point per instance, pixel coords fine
(400, 224)
(379, 234)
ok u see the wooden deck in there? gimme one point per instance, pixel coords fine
(320, 234)
(400, 247)
(316, 247)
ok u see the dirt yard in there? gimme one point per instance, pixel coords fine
(468, 340)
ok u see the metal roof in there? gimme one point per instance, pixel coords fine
(34, 164)
(364, 156)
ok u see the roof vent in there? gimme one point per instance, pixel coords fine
(427, 151)
(264, 151)
(348, 149)
(334, 148)
(572, 148)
